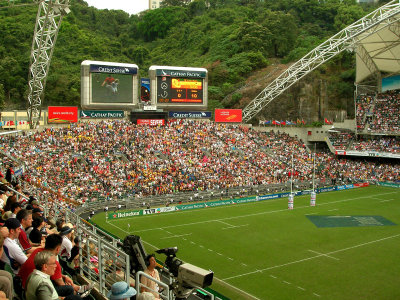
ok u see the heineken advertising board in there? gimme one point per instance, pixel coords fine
(101, 114)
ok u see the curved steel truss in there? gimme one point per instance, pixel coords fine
(347, 39)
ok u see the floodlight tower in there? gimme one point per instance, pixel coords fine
(48, 21)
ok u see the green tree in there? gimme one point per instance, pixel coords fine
(2, 97)
(347, 15)
(156, 23)
(283, 31)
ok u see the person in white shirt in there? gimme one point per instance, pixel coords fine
(66, 246)
(13, 253)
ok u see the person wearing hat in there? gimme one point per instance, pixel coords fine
(121, 291)
(13, 254)
(66, 246)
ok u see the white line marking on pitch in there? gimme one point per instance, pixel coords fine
(166, 230)
(316, 295)
(235, 288)
(312, 257)
(387, 200)
(243, 264)
(235, 226)
(257, 214)
(174, 236)
(287, 282)
(323, 254)
(210, 250)
(299, 287)
(219, 253)
(333, 209)
(273, 276)
(225, 223)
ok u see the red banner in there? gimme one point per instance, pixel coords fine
(364, 184)
(151, 122)
(228, 115)
(62, 114)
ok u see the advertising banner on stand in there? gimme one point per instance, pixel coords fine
(228, 115)
(62, 114)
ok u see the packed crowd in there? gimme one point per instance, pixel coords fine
(341, 140)
(380, 113)
(115, 159)
(32, 250)
(386, 116)
(379, 144)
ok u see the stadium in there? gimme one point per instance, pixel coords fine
(233, 209)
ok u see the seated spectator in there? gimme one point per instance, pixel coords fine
(36, 234)
(6, 280)
(13, 254)
(62, 283)
(15, 208)
(66, 246)
(121, 290)
(39, 285)
(25, 218)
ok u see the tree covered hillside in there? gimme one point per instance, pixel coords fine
(231, 38)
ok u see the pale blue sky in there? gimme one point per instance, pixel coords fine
(130, 6)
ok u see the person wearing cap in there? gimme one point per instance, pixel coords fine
(13, 254)
(121, 291)
(66, 246)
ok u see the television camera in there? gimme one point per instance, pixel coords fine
(186, 277)
(183, 277)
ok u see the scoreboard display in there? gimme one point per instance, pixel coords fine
(179, 87)
(179, 90)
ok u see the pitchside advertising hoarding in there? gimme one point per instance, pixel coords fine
(228, 115)
(62, 114)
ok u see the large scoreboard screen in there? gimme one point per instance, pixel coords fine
(108, 85)
(179, 86)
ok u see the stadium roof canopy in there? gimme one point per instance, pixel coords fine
(379, 53)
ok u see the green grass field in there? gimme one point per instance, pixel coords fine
(262, 250)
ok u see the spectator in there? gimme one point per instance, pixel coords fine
(25, 218)
(6, 280)
(121, 291)
(13, 254)
(36, 234)
(66, 246)
(62, 283)
(15, 208)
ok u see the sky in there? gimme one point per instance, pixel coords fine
(130, 6)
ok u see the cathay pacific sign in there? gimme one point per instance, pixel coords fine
(101, 114)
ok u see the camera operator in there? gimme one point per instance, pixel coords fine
(151, 271)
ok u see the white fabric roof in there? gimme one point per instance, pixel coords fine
(382, 52)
